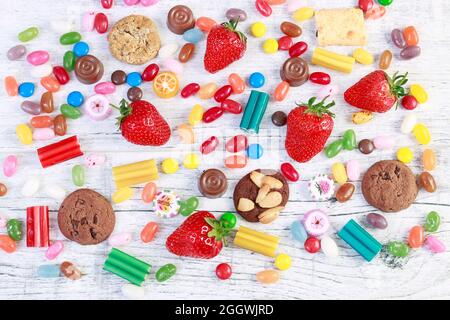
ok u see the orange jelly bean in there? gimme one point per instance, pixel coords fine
(429, 159)
(235, 161)
(275, 2)
(41, 122)
(416, 237)
(149, 231)
(149, 192)
(281, 91)
(50, 83)
(205, 24)
(268, 276)
(411, 37)
(236, 83)
(7, 244)
(11, 86)
(207, 91)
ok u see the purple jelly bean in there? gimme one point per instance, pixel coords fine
(397, 38)
(410, 52)
(31, 107)
(16, 52)
(377, 220)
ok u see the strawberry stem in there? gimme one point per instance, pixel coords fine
(396, 83)
(320, 108)
(232, 25)
(219, 230)
(124, 109)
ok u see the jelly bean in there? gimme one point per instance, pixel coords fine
(385, 60)
(184, 210)
(196, 115)
(339, 173)
(377, 221)
(298, 49)
(147, 3)
(149, 192)
(223, 93)
(320, 78)
(169, 166)
(427, 182)
(285, 43)
(434, 244)
(50, 84)
(268, 276)
(48, 271)
(193, 35)
(349, 140)
(281, 91)
(70, 271)
(60, 125)
(55, 191)
(186, 52)
(237, 143)
(223, 271)
(190, 89)
(235, 161)
(236, 83)
(205, 24)
(289, 172)
(398, 249)
(409, 102)
(410, 52)
(61, 75)
(105, 88)
(334, 148)
(24, 134)
(80, 49)
(173, 65)
(192, 203)
(122, 195)
(3, 190)
(383, 142)
(385, 2)
(14, 228)
(70, 112)
(165, 272)
(132, 291)
(17, 52)
(150, 72)
(422, 133)
(7, 244)
(298, 231)
(191, 161)
(120, 239)
(405, 155)
(78, 175)
(283, 261)
(416, 237)
(107, 4)
(312, 245)
(149, 231)
(258, 29)
(236, 14)
(30, 187)
(429, 159)
(419, 93)
(408, 123)
(31, 107)
(231, 106)
(42, 134)
(38, 57)
(101, 23)
(329, 247)
(345, 192)
(353, 170)
(168, 50)
(212, 114)
(376, 12)
(207, 91)
(365, 5)
(69, 61)
(228, 220)
(11, 86)
(256, 80)
(270, 46)
(70, 38)
(263, 8)
(134, 79)
(28, 34)
(10, 166)
(87, 21)
(397, 38)
(254, 151)
(328, 91)
(290, 29)
(209, 145)
(26, 89)
(363, 56)
(411, 37)
(303, 14)
(54, 250)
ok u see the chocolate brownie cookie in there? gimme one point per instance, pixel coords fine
(389, 185)
(86, 217)
(134, 40)
(261, 195)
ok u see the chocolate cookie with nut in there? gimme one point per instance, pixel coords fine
(261, 195)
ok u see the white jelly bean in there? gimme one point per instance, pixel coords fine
(353, 170)
(30, 187)
(41, 134)
(41, 71)
(329, 247)
(173, 65)
(54, 250)
(55, 191)
(120, 239)
(383, 142)
(168, 50)
(408, 123)
(87, 22)
(131, 291)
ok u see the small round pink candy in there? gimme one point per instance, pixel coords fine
(383, 142)
(94, 159)
(173, 65)
(105, 88)
(120, 239)
(316, 222)
(54, 250)
(434, 244)
(10, 166)
(36, 58)
(294, 5)
(353, 170)
(147, 3)
(41, 134)
(130, 2)
(328, 90)
(97, 107)
(87, 22)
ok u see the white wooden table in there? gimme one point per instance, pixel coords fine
(312, 276)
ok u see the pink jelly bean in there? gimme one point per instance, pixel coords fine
(147, 3)
(149, 192)
(328, 90)
(3, 221)
(130, 2)
(10, 166)
(173, 65)
(384, 142)
(105, 88)
(93, 160)
(353, 170)
(54, 250)
(120, 239)
(41, 134)
(293, 5)
(434, 244)
(36, 58)
(87, 22)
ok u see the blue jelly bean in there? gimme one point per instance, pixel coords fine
(81, 49)
(75, 99)
(193, 35)
(298, 232)
(26, 89)
(256, 80)
(134, 79)
(48, 271)
(254, 151)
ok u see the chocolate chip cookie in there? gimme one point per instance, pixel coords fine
(86, 217)
(390, 186)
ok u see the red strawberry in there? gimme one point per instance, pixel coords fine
(308, 129)
(142, 124)
(376, 92)
(224, 46)
(200, 236)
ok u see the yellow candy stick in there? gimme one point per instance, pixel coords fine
(256, 241)
(332, 64)
(135, 173)
(334, 56)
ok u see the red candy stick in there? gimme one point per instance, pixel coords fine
(59, 152)
(37, 227)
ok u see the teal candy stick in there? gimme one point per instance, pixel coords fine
(249, 109)
(258, 113)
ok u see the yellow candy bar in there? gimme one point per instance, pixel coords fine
(255, 241)
(332, 60)
(135, 173)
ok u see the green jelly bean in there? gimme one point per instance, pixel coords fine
(398, 249)
(184, 209)
(70, 38)
(78, 175)
(165, 272)
(228, 220)
(349, 140)
(69, 61)
(432, 222)
(28, 34)
(192, 203)
(14, 228)
(334, 148)
(70, 112)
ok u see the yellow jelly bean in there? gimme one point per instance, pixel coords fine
(303, 14)
(207, 91)
(196, 115)
(24, 134)
(429, 159)
(405, 155)
(419, 93)
(363, 56)
(169, 165)
(339, 173)
(191, 161)
(270, 46)
(258, 29)
(283, 261)
(422, 133)
(122, 195)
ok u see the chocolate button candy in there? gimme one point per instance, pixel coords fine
(118, 77)
(179, 19)
(134, 94)
(295, 71)
(88, 69)
(366, 146)
(290, 29)
(186, 52)
(279, 118)
(212, 183)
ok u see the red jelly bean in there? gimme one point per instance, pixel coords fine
(190, 90)
(320, 78)
(289, 172)
(285, 43)
(365, 5)
(298, 49)
(236, 161)
(41, 122)
(223, 93)
(61, 75)
(223, 271)
(263, 8)
(209, 145)
(101, 23)
(212, 114)
(231, 106)
(237, 143)
(150, 72)
(107, 4)
(312, 245)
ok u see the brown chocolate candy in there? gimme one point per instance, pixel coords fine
(88, 69)
(279, 118)
(295, 71)
(366, 146)
(179, 19)
(290, 29)
(118, 77)
(134, 94)
(212, 183)
(186, 52)
(427, 182)
(3, 189)
(60, 125)
(345, 192)
(47, 104)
